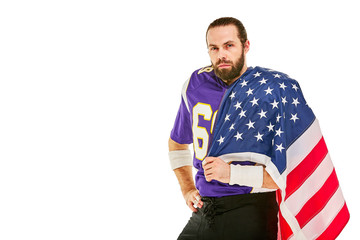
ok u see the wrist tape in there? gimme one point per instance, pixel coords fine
(251, 176)
(180, 158)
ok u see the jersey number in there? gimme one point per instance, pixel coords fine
(200, 134)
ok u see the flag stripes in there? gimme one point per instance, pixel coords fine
(336, 225)
(323, 219)
(303, 146)
(318, 201)
(284, 229)
(298, 176)
(312, 193)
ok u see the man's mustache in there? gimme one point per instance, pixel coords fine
(223, 61)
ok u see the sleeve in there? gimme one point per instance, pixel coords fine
(182, 129)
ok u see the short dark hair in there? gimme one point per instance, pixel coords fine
(225, 21)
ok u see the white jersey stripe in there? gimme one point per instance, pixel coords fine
(183, 94)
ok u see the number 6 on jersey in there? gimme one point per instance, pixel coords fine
(200, 133)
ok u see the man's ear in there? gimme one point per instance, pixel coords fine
(247, 46)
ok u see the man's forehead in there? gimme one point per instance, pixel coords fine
(222, 34)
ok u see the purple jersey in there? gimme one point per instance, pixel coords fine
(201, 98)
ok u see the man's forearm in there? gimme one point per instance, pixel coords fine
(185, 178)
(253, 176)
(183, 173)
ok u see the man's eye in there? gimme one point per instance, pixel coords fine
(230, 45)
(213, 49)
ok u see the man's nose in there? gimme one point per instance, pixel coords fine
(222, 54)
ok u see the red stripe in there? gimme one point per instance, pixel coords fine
(307, 166)
(286, 232)
(284, 228)
(317, 202)
(337, 225)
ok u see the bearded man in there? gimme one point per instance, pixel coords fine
(254, 214)
(249, 127)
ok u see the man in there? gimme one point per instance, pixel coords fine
(240, 120)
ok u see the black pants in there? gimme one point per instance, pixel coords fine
(247, 216)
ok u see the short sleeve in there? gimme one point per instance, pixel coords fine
(182, 131)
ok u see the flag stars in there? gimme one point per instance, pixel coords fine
(283, 100)
(274, 104)
(262, 114)
(278, 118)
(259, 136)
(244, 83)
(232, 95)
(295, 102)
(295, 87)
(227, 117)
(263, 81)
(238, 136)
(257, 74)
(279, 132)
(255, 101)
(276, 75)
(232, 127)
(250, 91)
(221, 139)
(250, 124)
(237, 105)
(270, 127)
(279, 148)
(294, 117)
(242, 113)
(283, 86)
(269, 90)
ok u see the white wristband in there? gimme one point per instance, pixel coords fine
(180, 158)
(251, 176)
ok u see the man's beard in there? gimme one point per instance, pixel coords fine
(228, 75)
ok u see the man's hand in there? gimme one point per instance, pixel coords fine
(216, 169)
(192, 198)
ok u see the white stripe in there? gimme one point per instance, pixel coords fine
(246, 156)
(302, 146)
(183, 93)
(316, 180)
(291, 220)
(322, 220)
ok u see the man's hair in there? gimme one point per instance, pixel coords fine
(225, 21)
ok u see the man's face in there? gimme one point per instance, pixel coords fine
(227, 53)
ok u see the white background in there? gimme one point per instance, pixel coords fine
(89, 92)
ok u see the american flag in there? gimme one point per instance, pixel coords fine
(264, 118)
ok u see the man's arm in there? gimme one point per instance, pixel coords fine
(217, 169)
(185, 179)
(268, 182)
